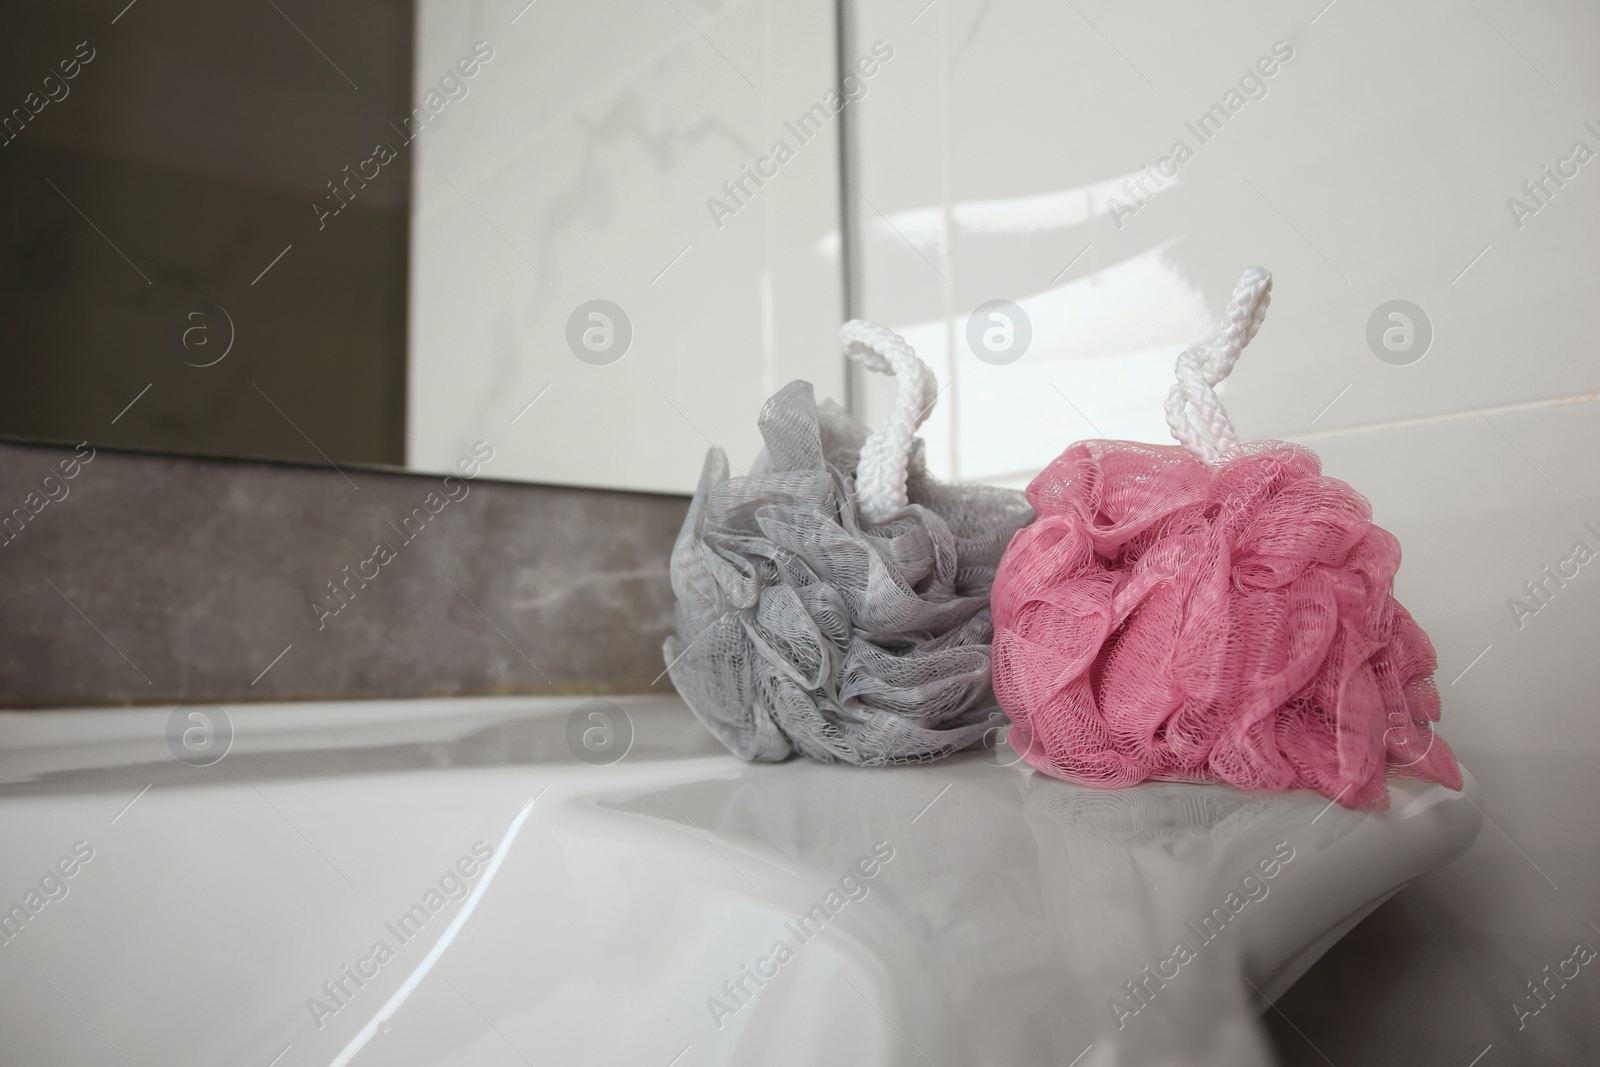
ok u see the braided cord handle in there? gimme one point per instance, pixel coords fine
(1200, 368)
(881, 472)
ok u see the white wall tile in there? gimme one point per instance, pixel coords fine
(1376, 166)
(580, 167)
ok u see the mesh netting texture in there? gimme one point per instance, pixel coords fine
(1163, 619)
(821, 614)
(1212, 612)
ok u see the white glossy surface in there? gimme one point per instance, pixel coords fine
(1376, 163)
(1012, 910)
(579, 166)
(1381, 159)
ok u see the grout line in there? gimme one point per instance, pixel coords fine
(1450, 416)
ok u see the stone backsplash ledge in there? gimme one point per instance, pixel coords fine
(128, 578)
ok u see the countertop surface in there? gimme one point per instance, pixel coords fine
(513, 880)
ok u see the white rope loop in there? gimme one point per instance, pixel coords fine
(881, 472)
(1200, 368)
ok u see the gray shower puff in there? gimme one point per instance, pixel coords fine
(804, 626)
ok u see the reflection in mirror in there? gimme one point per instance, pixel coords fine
(383, 231)
(166, 284)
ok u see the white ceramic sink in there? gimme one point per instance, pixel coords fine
(592, 914)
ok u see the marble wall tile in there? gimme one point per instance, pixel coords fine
(582, 163)
(153, 579)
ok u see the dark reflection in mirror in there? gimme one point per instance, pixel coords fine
(165, 279)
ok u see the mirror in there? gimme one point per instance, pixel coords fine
(380, 232)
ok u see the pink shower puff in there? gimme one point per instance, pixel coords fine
(1165, 618)
(1212, 612)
